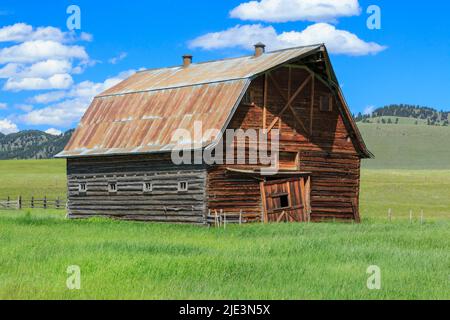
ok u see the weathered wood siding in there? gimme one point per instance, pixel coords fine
(327, 151)
(163, 203)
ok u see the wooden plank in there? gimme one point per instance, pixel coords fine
(266, 92)
(311, 117)
(289, 102)
(264, 201)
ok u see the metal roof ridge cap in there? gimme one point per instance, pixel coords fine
(175, 87)
(233, 58)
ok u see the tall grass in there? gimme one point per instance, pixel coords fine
(126, 260)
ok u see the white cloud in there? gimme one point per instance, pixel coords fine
(41, 59)
(296, 10)
(119, 58)
(77, 99)
(10, 70)
(33, 51)
(24, 107)
(337, 41)
(22, 32)
(48, 97)
(53, 132)
(16, 32)
(369, 110)
(7, 127)
(48, 68)
(40, 69)
(86, 37)
(57, 81)
(3, 106)
(239, 36)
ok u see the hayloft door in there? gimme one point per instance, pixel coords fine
(286, 200)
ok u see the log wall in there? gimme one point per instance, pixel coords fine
(163, 204)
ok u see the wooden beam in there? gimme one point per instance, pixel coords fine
(266, 87)
(308, 198)
(303, 197)
(289, 83)
(316, 75)
(312, 105)
(263, 199)
(289, 102)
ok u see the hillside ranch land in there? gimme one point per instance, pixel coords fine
(129, 260)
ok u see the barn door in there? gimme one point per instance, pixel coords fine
(286, 200)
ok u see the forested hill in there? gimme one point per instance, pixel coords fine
(391, 114)
(32, 145)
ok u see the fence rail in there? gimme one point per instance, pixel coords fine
(221, 219)
(33, 203)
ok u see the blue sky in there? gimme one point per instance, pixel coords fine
(48, 74)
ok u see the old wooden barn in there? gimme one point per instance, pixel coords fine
(119, 158)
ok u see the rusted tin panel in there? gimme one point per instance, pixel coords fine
(215, 71)
(144, 122)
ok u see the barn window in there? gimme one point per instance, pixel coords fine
(281, 201)
(112, 187)
(148, 187)
(82, 187)
(183, 186)
(289, 160)
(326, 103)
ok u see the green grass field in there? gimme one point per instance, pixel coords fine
(121, 260)
(407, 146)
(29, 178)
(126, 260)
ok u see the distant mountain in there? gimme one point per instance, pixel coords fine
(32, 144)
(396, 113)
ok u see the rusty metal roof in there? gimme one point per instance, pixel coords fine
(140, 114)
(145, 122)
(207, 72)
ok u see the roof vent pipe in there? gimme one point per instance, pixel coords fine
(260, 48)
(187, 60)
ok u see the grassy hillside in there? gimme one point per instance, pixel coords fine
(401, 120)
(407, 146)
(37, 178)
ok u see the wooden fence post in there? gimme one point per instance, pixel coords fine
(32, 202)
(7, 202)
(225, 220)
(240, 217)
(19, 202)
(216, 219)
(45, 202)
